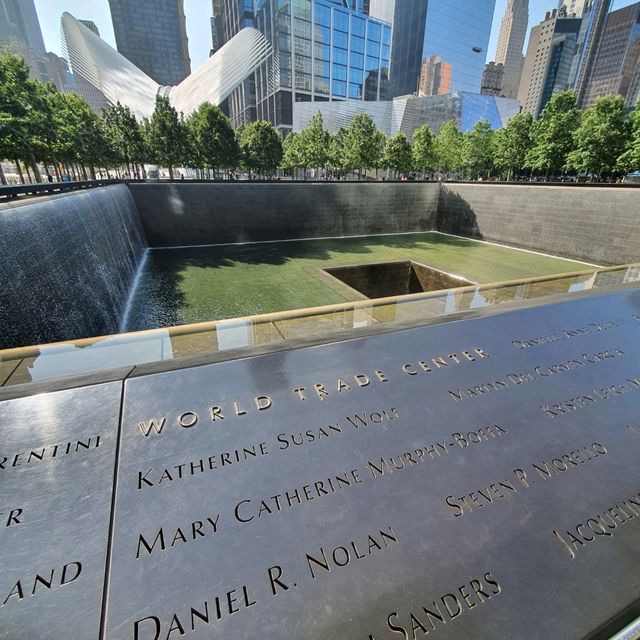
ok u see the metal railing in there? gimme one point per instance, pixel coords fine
(13, 191)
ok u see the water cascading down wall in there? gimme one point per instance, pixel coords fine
(68, 263)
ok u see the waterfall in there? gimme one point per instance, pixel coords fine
(68, 264)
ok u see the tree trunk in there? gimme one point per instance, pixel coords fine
(3, 179)
(19, 168)
(26, 166)
(36, 169)
(170, 172)
(92, 169)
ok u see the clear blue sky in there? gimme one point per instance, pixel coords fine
(198, 26)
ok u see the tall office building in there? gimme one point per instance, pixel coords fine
(594, 19)
(457, 32)
(435, 77)
(513, 32)
(152, 34)
(323, 50)
(616, 67)
(20, 30)
(19, 24)
(576, 7)
(92, 26)
(229, 17)
(492, 79)
(547, 65)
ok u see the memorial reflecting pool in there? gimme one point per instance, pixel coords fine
(196, 284)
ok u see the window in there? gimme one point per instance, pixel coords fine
(323, 51)
(356, 60)
(340, 39)
(357, 44)
(340, 56)
(303, 81)
(322, 34)
(323, 15)
(339, 72)
(321, 85)
(321, 68)
(355, 91)
(303, 63)
(355, 75)
(372, 63)
(302, 9)
(357, 26)
(340, 20)
(302, 29)
(339, 88)
(373, 49)
(374, 32)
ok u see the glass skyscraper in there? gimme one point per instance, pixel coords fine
(323, 50)
(616, 68)
(453, 32)
(152, 34)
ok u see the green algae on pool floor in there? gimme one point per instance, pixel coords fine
(196, 284)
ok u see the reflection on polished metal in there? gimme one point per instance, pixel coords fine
(630, 632)
(57, 459)
(475, 479)
(121, 81)
(47, 362)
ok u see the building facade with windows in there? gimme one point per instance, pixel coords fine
(456, 32)
(152, 35)
(492, 79)
(547, 65)
(513, 31)
(594, 20)
(616, 67)
(324, 50)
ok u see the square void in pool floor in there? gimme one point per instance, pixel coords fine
(384, 279)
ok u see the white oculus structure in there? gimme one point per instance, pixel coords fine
(121, 81)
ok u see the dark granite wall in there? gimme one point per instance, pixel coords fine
(67, 264)
(595, 224)
(192, 214)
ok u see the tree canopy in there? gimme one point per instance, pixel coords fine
(552, 134)
(261, 146)
(600, 139)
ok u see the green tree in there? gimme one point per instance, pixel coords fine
(213, 140)
(449, 148)
(261, 146)
(79, 136)
(552, 133)
(630, 159)
(424, 149)
(23, 116)
(397, 154)
(292, 154)
(167, 138)
(363, 144)
(337, 150)
(601, 138)
(125, 133)
(512, 143)
(477, 150)
(313, 144)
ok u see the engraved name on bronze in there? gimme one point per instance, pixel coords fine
(590, 398)
(599, 526)
(525, 479)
